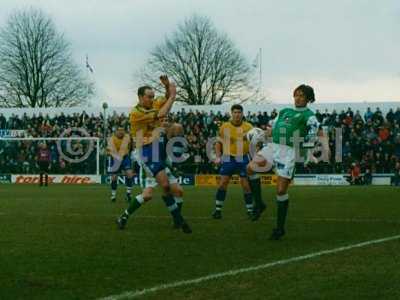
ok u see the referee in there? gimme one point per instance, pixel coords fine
(43, 159)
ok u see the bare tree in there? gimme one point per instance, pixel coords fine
(36, 65)
(206, 65)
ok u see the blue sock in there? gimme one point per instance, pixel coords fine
(173, 208)
(219, 199)
(129, 184)
(248, 199)
(114, 185)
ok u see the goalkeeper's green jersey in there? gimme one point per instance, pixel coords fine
(293, 122)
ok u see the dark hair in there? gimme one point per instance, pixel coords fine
(308, 92)
(142, 89)
(237, 106)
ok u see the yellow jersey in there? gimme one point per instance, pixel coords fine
(144, 122)
(117, 146)
(234, 142)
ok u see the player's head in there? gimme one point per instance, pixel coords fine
(146, 96)
(237, 113)
(120, 132)
(43, 145)
(303, 95)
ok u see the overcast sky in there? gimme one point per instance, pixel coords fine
(349, 50)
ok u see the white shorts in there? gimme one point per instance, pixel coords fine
(280, 157)
(147, 180)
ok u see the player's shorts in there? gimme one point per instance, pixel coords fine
(148, 181)
(234, 164)
(152, 158)
(281, 157)
(115, 166)
(44, 166)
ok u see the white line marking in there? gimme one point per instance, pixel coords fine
(137, 293)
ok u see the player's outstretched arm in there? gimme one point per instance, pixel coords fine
(168, 105)
(165, 82)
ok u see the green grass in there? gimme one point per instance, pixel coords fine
(62, 243)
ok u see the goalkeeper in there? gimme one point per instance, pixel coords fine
(295, 128)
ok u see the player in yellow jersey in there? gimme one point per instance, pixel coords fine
(148, 135)
(233, 155)
(118, 150)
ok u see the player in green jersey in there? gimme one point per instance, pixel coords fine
(293, 130)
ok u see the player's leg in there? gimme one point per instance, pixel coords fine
(162, 180)
(175, 129)
(282, 202)
(177, 191)
(46, 174)
(126, 166)
(262, 162)
(284, 157)
(40, 174)
(147, 183)
(114, 185)
(244, 182)
(176, 188)
(248, 198)
(227, 169)
(129, 184)
(114, 178)
(135, 204)
(220, 196)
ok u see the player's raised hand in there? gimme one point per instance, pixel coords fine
(172, 90)
(164, 81)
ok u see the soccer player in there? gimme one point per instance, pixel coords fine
(232, 153)
(118, 149)
(298, 121)
(147, 134)
(43, 159)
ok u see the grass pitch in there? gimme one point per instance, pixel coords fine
(62, 243)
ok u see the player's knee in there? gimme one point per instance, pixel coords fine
(147, 198)
(249, 169)
(281, 191)
(177, 191)
(223, 185)
(147, 195)
(177, 129)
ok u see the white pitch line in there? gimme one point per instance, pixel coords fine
(137, 293)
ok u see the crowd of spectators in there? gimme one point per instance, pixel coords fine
(371, 140)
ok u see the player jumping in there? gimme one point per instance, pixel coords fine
(147, 134)
(300, 122)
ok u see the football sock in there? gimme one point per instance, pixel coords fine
(248, 199)
(134, 205)
(114, 185)
(41, 179)
(255, 185)
(173, 208)
(129, 183)
(282, 209)
(219, 199)
(46, 177)
(179, 202)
